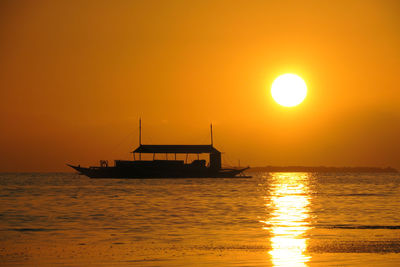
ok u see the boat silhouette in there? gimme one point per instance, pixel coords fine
(138, 168)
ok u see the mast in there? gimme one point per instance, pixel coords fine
(140, 131)
(140, 136)
(212, 142)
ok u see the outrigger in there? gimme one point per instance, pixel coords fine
(138, 168)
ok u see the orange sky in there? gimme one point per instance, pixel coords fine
(76, 75)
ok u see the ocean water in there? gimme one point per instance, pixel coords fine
(272, 219)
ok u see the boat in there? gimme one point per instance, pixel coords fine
(145, 169)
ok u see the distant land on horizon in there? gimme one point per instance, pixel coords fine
(322, 169)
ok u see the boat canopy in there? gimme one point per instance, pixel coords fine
(182, 149)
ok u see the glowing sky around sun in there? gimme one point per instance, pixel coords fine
(75, 76)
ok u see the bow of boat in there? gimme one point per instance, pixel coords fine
(77, 168)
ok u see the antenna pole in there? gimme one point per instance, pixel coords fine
(212, 142)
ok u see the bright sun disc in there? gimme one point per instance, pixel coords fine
(289, 90)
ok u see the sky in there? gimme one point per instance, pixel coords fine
(76, 76)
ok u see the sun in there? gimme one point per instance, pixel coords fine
(289, 90)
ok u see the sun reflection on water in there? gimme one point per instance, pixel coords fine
(289, 220)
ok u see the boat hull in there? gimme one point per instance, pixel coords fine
(148, 173)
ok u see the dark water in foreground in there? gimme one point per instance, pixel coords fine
(272, 219)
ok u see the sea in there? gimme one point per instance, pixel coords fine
(271, 219)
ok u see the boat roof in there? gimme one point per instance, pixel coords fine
(183, 149)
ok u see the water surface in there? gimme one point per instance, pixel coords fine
(272, 219)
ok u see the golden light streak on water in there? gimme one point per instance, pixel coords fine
(289, 221)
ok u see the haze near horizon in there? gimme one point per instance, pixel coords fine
(76, 76)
